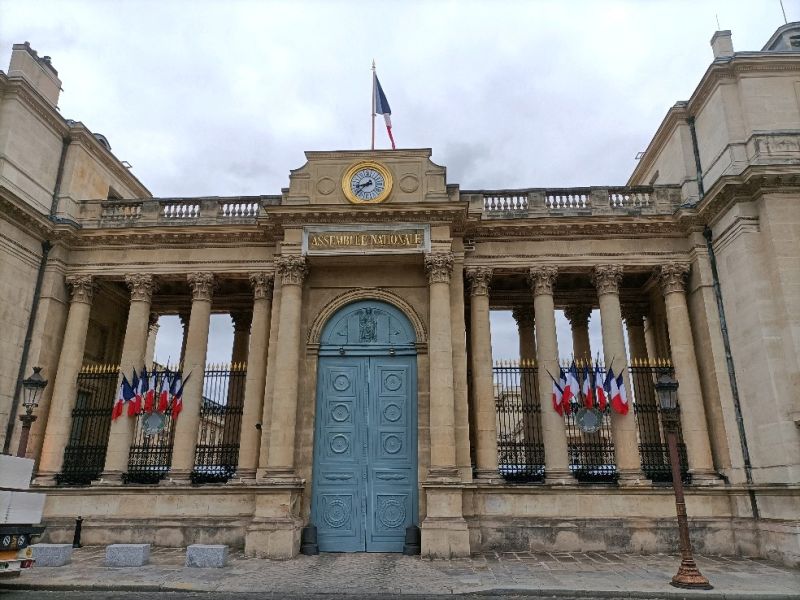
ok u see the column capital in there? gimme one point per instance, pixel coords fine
(152, 321)
(542, 279)
(184, 318)
(439, 266)
(634, 314)
(81, 288)
(672, 277)
(606, 278)
(578, 314)
(479, 278)
(262, 284)
(292, 269)
(202, 285)
(141, 285)
(523, 315)
(242, 319)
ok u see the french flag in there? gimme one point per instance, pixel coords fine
(176, 391)
(599, 388)
(163, 396)
(150, 390)
(619, 397)
(135, 407)
(588, 396)
(126, 394)
(381, 107)
(558, 394)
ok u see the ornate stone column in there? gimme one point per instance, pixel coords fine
(152, 334)
(242, 321)
(554, 435)
(280, 463)
(444, 530)
(693, 415)
(236, 385)
(531, 419)
(194, 365)
(65, 384)
(642, 383)
(184, 317)
(256, 375)
(606, 279)
(459, 331)
(578, 317)
(482, 379)
(134, 354)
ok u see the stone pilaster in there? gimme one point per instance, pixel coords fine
(554, 435)
(694, 427)
(482, 379)
(256, 375)
(606, 279)
(642, 385)
(194, 365)
(578, 317)
(134, 354)
(65, 384)
(459, 326)
(184, 318)
(292, 271)
(531, 420)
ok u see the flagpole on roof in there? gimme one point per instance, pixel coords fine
(373, 104)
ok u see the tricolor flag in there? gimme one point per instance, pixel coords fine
(571, 386)
(567, 393)
(163, 396)
(176, 390)
(599, 388)
(126, 394)
(587, 388)
(558, 394)
(619, 399)
(380, 106)
(135, 407)
(150, 389)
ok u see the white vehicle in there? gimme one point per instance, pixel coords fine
(20, 515)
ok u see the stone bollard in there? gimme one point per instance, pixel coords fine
(206, 555)
(52, 555)
(127, 555)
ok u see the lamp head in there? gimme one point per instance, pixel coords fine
(32, 389)
(667, 388)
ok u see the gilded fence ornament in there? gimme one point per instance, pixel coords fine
(606, 278)
(672, 277)
(81, 288)
(262, 285)
(542, 279)
(292, 269)
(141, 286)
(439, 266)
(479, 278)
(202, 285)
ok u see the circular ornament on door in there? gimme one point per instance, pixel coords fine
(392, 444)
(392, 513)
(340, 413)
(392, 412)
(337, 513)
(392, 382)
(341, 383)
(339, 444)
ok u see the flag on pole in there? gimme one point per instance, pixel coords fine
(150, 389)
(587, 388)
(380, 106)
(135, 407)
(163, 396)
(126, 394)
(558, 394)
(599, 388)
(619, 400)
(177, 395)
(571, 387)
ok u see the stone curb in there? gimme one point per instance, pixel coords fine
(477, 594)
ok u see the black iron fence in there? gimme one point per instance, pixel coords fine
(591, 454)
(520, 450)
(217, 451)
(150, 455)
(85, 453)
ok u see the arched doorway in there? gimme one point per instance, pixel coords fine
(364, 491)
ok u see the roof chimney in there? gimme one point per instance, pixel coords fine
(35, 70)
(722, 44)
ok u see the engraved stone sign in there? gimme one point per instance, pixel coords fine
(397, 238)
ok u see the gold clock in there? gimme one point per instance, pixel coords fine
(367, 182)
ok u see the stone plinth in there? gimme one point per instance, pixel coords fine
(52, 555)
(206, 555)
(127, 555)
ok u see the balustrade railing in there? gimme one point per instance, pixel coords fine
(567, 199)
(85, 453)
(503, 202)
(180, 209)
(629, 198)
(121, 211)
(217, 451)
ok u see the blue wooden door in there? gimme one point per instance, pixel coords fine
(364, 483)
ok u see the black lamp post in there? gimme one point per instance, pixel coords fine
(688, 575)
(31, 392)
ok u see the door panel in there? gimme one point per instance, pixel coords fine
(365, 487)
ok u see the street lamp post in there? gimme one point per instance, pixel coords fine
(31, 391)
(688, 575)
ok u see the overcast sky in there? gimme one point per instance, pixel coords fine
(222, 98)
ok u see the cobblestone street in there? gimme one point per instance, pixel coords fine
(586, 575)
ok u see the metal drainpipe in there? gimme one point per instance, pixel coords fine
(37, 293)
(696, 148)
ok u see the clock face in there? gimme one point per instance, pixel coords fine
(367, 182)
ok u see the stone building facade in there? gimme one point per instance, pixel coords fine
(364, 399)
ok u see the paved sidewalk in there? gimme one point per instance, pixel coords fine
(587, 574)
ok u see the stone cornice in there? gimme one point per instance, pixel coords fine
(81, 135)
(27, 95)
(24, 216)
(172, 236)
(543, 228)
(308, 214)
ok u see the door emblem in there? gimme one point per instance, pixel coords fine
(392, 382)
(391, 511)
(392, 444)
(392, 412)
(341, 383)
(367, 326)
(339, 444)
(340, 413)
(337, 511)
